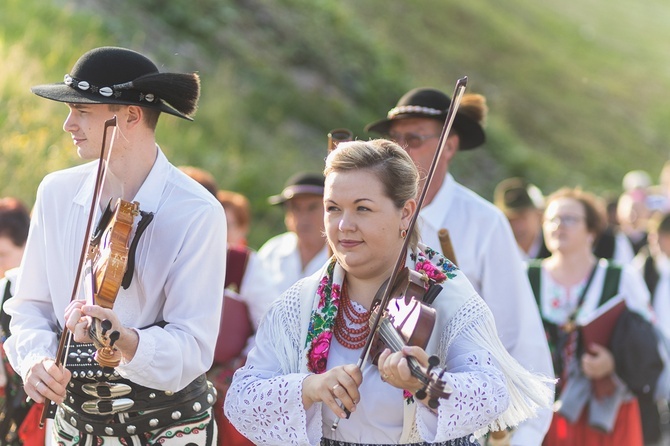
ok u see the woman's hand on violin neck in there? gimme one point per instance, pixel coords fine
(340, 383)
(394, 369)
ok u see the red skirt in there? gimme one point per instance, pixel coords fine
(627, 430)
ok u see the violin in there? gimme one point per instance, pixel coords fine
(108, 254)
(405, 314)
(409, 320)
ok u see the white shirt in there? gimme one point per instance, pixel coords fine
(488, 254)
(558, 302)
(178, 276)
(661, 294)
(623, 249)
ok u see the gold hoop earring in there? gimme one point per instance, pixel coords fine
(403, 233)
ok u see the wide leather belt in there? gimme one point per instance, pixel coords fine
(92, 408)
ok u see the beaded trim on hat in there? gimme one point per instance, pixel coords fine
(114, 90)
(412, 109)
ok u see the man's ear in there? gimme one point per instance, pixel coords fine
(134, 115)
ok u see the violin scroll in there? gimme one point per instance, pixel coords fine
(107, 355)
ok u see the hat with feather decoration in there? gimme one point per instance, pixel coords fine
(112, 75)
(434, 104)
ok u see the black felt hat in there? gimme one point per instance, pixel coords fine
(302, 183)
(111, 75)
(431, 103)
(513, 195)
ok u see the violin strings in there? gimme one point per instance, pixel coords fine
(390, 337)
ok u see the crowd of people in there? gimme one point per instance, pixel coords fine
(208, 341)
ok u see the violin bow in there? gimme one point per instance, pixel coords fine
(95, 202)
(449, 121)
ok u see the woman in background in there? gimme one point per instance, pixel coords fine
(569, 286)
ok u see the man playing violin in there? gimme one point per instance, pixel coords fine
(165, 318)
(483, 241)
(303, 373)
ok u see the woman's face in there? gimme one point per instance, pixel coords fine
(565, 227)
(362, 224)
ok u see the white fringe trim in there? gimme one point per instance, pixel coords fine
(528, 391)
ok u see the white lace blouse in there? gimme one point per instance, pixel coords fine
(490, 389)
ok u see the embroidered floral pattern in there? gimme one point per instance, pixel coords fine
(320, 331)
(434, 265)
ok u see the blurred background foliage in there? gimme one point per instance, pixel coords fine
(576, 90)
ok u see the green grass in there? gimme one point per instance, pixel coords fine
(576, 90)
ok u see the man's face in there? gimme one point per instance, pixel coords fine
(424, 133)
(86, 123)
(526, 225)
(304, 216)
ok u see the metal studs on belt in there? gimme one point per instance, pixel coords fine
(73, 421)
(109, 431)
(197, 406)
(131, 429)
(153, 422)
(210, 398)
(89, 428)
(176, 415)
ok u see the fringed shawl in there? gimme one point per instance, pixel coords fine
(461, 312)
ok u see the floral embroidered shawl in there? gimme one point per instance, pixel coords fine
(322, 320)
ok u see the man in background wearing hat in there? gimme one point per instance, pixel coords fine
(299, 252)
(166, 314)
(483, 242)
(523, 205)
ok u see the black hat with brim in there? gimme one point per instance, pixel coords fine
(111, 75)
(302, 183)
(431, 103)
(514, 195)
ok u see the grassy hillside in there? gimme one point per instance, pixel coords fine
(575, 90)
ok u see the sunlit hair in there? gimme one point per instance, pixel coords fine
(594, 208)
(387, 161)
(238, 205)
(205, 178)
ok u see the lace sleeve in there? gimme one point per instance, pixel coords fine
(264, 401)
(479, 395)
(491, 389)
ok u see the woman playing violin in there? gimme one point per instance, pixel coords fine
(303, 374)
